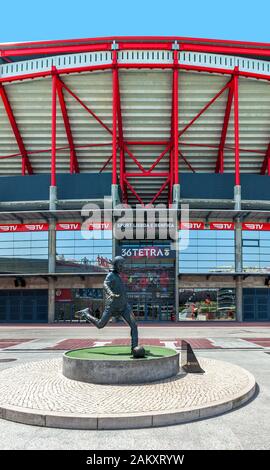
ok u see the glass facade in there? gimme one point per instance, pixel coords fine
(149, 273)
(208, 251)
(76, 252)
(256, 250)
(206, 304)
(24, 252)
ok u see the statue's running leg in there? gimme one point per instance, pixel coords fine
(130, 319)
(99, 323)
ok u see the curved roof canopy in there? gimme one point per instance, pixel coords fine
(141, 108)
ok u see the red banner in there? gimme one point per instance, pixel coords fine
(221, 225)
(191, 225)
(24, 227)
(84, 226)
(40, 227)
(68, 226)
(255, 226)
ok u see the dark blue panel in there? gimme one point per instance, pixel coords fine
(24, 188)
(255, 187)
(206, 185)
(217, 186)
(96, 185)
(83, 185)
(36, 187)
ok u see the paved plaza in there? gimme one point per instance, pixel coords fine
(243, 345)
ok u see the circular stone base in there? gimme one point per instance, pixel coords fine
(37, 393)
(116, 365)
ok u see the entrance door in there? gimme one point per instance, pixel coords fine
(256, 304)
(149, 276)
(23, 306)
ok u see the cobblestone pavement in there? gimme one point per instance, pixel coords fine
(248, 427)
(41, 386)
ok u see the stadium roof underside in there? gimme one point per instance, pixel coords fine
(144, 109)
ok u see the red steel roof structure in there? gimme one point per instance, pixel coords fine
(143, 108)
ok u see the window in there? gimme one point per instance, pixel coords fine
(24, 252)
(74, 253)
(256, 250)
(206, 304)
(208, 251)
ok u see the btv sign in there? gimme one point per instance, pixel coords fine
(148, 252)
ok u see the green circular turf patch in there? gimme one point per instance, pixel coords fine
(116, 353)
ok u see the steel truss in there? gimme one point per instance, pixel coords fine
(120, 147)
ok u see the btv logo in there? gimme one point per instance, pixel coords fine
(8, 228)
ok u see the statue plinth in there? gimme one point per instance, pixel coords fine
(116, 365)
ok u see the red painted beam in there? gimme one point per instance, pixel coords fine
(175, 119)
(54, 50)
(134, 192)
(266, 162)
(26, 164)
(156, 174)
(140, 43)
(169, 146)
(160, 191)
(217, 95)
(105, 164)
(145, 47)
(198, 114)
(122, 166)
(85, 107)
(74, 166)
(225, 50)
(158, 159)
(220, 157)
(114, 118)
(228, 147)
(236, 130)
(141, 39)
(128, 151)
(187, 162)
(53, 130)
(108, 144)
(146, 142)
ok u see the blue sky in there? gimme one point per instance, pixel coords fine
(30, 20)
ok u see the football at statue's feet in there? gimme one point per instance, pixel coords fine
(138, 352)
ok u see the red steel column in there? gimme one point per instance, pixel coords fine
(220, 158)
(236, 128)
(175, 117)
(53, 129)
(114, 117)
(74, 166)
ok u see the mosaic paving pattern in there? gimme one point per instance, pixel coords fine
(41, 386)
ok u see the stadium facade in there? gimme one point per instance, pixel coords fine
(89, 124)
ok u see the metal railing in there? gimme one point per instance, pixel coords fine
(216, 61)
